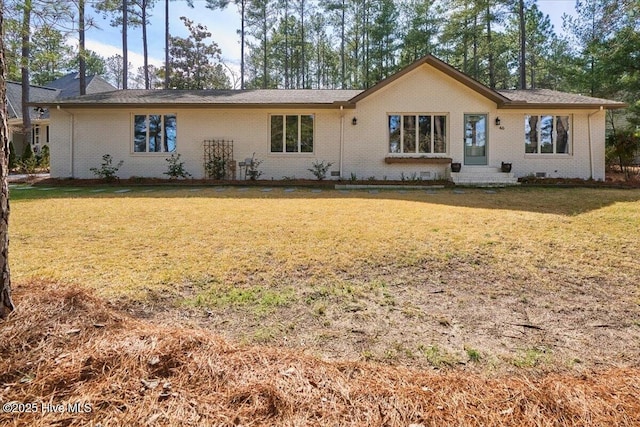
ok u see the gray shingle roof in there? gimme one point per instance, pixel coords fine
(537, 98)
(215, 97)
(548, 97)
(69, 85)
(36, 94)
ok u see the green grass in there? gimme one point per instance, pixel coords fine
(169, 238)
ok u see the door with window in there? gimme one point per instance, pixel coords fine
(475, 139)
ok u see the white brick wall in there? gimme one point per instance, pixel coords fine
(109, 131)
(423, 90)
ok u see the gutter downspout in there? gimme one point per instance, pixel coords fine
(341, 140)
(591, 166)
(71, 139)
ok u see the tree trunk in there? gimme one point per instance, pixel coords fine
(286, 44)
(6, 304)
(342, 63)
(125, 57)
(26, 52)
(265, 35)
(523, 45)
(145, 47)
(82, 63)
(492, 73)
(242, 31)
(166, 44)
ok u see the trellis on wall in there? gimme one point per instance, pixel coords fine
(218, 159)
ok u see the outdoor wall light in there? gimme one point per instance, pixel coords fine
(354, 121)
(497, 121)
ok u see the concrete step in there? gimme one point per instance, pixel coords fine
(483, 176)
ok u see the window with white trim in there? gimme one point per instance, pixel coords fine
(292, 133)
(154, 133)
(417, 133)
(37, 136)
(547, 134)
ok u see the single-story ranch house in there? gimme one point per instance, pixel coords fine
(414, 124)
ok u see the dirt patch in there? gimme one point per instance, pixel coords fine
(460, 313)
(66, 347)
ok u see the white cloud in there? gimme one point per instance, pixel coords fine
(107, 50)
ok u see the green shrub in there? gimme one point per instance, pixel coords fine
(28, 163)
(216, 167)
(176, 168)
(622, 147)
(12, 156)
(253, 172)
(319, 169)
(106, 170)
(43, 159)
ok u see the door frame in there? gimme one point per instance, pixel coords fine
(476, 160)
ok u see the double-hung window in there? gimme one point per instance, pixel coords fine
(547, 134)
(154, 133)
(292, 133)
(417, 133)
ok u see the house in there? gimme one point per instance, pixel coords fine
(414, 124)
(39, 116)
(64, 87)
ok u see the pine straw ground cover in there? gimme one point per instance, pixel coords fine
(65, 346)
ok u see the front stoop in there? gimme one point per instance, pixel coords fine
(483, 176)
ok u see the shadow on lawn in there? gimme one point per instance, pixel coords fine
(558, 201)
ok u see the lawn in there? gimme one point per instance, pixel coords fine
(491, 280)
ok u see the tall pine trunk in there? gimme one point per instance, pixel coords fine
(6, 304)
(82, 63)
(523, 45)
(242, 35)
(145, 47)
(125, 56)
(492, 72)
(166, 44)
(26, 52)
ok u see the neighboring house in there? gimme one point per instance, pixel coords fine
(39, 116)
(64, 87)
(413, 124)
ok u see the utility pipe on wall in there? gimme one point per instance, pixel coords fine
(341, 139)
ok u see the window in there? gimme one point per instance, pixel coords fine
(292, 133)
(417, 133)
(546, 134)
(154, 133)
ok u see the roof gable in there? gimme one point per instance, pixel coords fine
(69, 85)
(443, 67)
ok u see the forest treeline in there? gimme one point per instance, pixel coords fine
(343, 43)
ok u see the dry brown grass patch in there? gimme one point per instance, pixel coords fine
(64, 346)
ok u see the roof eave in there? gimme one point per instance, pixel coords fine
(315, 106)
(560, 106)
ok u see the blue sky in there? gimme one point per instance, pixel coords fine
(223, 24)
